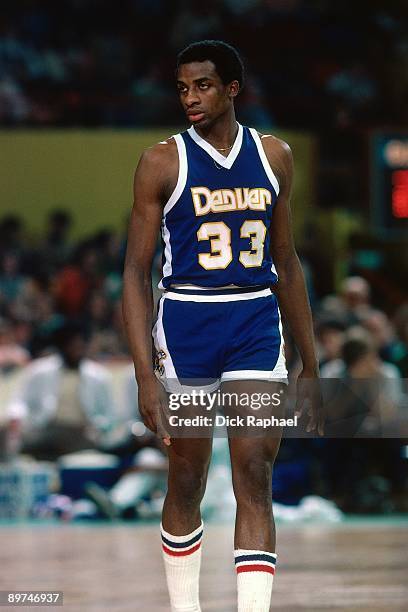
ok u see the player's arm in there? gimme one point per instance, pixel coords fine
(291, 288)
(154, 179)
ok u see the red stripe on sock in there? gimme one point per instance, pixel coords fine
(181, 553)
(255, 568)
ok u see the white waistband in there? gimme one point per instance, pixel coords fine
(232, 297)
(198, 288)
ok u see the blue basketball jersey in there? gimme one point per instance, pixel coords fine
(215, 226)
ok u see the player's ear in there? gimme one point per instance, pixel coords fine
(234, 89)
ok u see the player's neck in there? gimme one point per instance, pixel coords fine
(221, 134)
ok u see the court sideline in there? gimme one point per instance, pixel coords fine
(356, 566)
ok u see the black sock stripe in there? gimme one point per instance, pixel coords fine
(268, 558)
(182, 544)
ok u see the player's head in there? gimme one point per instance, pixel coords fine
(70, 341)
(210, 74)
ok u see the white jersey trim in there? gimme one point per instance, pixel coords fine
(225, 162)
(182, 174)
(167, 267)
(269, 172)
(174, 198)
(281, 363)
(169, 379)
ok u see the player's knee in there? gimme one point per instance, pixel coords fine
(252, 479)
(189, 482)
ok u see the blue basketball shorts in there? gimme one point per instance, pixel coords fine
(203, 339)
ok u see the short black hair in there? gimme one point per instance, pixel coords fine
(66, 332)
(354, 349)
(226, 59)
(60, 216)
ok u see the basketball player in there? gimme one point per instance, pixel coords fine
(220, 194)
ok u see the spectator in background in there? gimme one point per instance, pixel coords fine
(108, 245)
(145, 478)
(382, 333)
(26, 306)
(104, 341)
(76, 281)
(368, 474)
(12, 355)
(12, 282)
(22, 332)
(10, 235)
(352, 304)
(56, 249)
(356, 296)
(147, 474)
(47, 321)
(360, 360)
(65, 402)
(329, 337)
(98, 313)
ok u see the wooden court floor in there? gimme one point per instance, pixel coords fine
(356, 566)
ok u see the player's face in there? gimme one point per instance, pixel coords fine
(203, 95)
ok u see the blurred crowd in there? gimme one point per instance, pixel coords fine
(311, 63)
(61, 326)
(58, 280)
(41, 287)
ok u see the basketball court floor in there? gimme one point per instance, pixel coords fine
(358, 565)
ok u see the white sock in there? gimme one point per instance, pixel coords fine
(255, 571)
(182, 560)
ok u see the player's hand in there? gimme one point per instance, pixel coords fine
(308, 393)
(152, 405)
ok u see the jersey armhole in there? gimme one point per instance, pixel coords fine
(267, 167)
(182, 174)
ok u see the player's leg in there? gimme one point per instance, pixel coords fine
(252, 461)
(189, 359)
(182, 527)
(252, 458)
(185, 360)
(188, 468)
(254, 355)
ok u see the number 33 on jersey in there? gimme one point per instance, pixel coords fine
(215, 226)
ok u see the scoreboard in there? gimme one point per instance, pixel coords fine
(389, 183)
